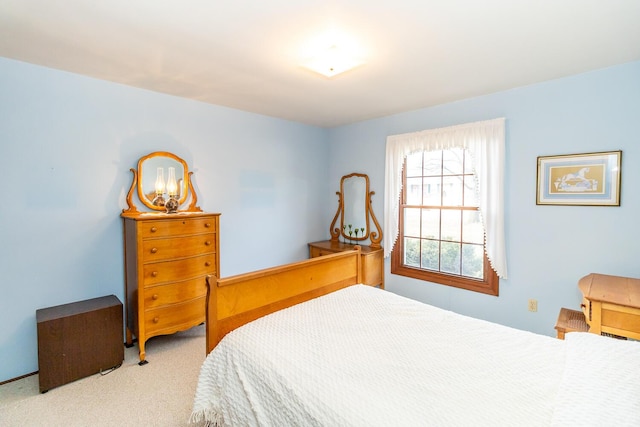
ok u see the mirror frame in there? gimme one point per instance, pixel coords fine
(186, 189)
(375, 237)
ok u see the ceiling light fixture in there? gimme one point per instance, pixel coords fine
(332, 61)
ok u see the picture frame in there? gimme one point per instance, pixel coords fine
(589, 179)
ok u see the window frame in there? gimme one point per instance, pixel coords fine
(489, 284)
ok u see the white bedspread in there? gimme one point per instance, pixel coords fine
(366, 357)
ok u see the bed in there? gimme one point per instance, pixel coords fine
(306, 345)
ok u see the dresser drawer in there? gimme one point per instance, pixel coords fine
(177, 247)
(181, 269)
(316, 252)
(176, 227)
(157, 296)
(175, 317)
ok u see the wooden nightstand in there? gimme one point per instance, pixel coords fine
(611, 305)
(570, 321)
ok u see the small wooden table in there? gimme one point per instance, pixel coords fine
(570, 321)
(611, 304)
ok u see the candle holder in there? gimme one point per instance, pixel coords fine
(159, 200)
(172, 205)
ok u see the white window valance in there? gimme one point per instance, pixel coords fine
(485, 141)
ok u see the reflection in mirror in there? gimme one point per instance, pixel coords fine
(354, 221)
(354, 209)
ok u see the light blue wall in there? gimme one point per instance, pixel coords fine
(67, 143)
(549, 247)
(66, 146)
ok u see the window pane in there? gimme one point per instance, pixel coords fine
(450, 258)
(412, 222)
(452, 190)
(414, 164)
(472, 231)
(414, 191)
(432, 191)
(432, 163)
(451, 225)
(430, 254)
(412, 252)
(431, 223)
(473, 261)
(470, 195)
(452, 161)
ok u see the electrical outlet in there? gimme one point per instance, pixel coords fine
(533, 305)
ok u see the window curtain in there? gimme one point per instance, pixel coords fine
(485, 142)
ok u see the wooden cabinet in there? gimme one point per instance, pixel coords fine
(78, 339)
(611, 304)
(167, 260)
(372, 259)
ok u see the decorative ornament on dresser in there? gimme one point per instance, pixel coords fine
(168, 252)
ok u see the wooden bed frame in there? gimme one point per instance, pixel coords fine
(236, 300)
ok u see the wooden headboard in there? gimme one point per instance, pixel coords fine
(236, 300)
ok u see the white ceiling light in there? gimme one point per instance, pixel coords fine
(331, 52)
(332, 61)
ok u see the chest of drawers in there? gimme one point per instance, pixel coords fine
(167, 260)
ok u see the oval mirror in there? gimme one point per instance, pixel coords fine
(155, 182)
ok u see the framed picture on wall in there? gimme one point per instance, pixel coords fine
(591, 179)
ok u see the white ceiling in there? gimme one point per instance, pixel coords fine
(246, 54)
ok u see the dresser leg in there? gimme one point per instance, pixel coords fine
(143, 354)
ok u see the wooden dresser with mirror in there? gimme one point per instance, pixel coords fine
(168, 251)
(356, 219)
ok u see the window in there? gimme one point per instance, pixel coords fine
(444, 205)
(441, 236)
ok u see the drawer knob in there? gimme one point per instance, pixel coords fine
(154, 297)
(207, 225)
(207, 264)
(156, 319)
(208, 243)
(154, 229)
(154, 250)
(154, 273)
(583, 306)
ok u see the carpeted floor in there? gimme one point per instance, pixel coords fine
(159, 393)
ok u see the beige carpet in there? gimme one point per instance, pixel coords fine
(159, 393)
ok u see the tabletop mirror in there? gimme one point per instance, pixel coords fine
(355, 212)
(163, 183)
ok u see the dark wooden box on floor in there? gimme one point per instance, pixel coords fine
(79, 339)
